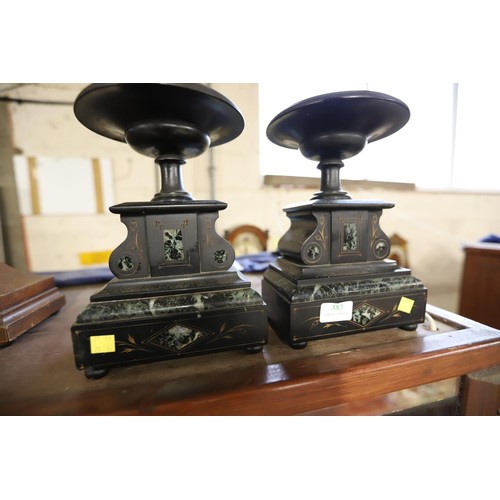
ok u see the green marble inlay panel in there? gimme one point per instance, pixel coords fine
(173, 245)
(327, 291)
(166, 305)
(177, 337)
(351, 240)
(360, 287)
(365, 314)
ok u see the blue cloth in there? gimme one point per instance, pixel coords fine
(491, 238)
(81, 277)
(256, 262)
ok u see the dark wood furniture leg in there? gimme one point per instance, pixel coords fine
(480, 392)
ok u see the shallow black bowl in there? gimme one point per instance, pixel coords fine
(180, 119)
(335, 126)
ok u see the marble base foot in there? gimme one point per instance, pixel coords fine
(130, 331)
(304, 310)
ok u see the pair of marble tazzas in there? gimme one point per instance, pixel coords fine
(176, 292)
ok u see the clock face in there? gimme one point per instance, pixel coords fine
(247, 243)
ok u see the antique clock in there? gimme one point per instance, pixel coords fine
(247, 239)
(333, 276)
(176, 292)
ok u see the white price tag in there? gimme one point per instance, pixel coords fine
(335, 312)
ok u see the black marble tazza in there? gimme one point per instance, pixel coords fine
(175, 293)
(333, 276)
(111, 109)
(332, 127)
(168, 122)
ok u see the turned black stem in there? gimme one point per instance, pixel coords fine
(171, 181)
(330, 181)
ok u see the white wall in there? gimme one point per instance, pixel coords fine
(436, 224)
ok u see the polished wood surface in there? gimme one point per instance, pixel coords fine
(480, 288)
(38, 374)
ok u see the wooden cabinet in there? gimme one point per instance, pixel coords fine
(480, 289)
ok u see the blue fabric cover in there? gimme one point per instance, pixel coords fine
(491, 238)
(256, 262)
(81, 277)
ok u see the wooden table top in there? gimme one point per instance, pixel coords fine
(38, 374)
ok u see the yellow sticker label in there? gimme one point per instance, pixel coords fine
(102, 343)
(405, 305)
(92, 258)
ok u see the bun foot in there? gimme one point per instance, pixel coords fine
(254, 350)
(409, 328)
(95, 373)
(297, 345)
